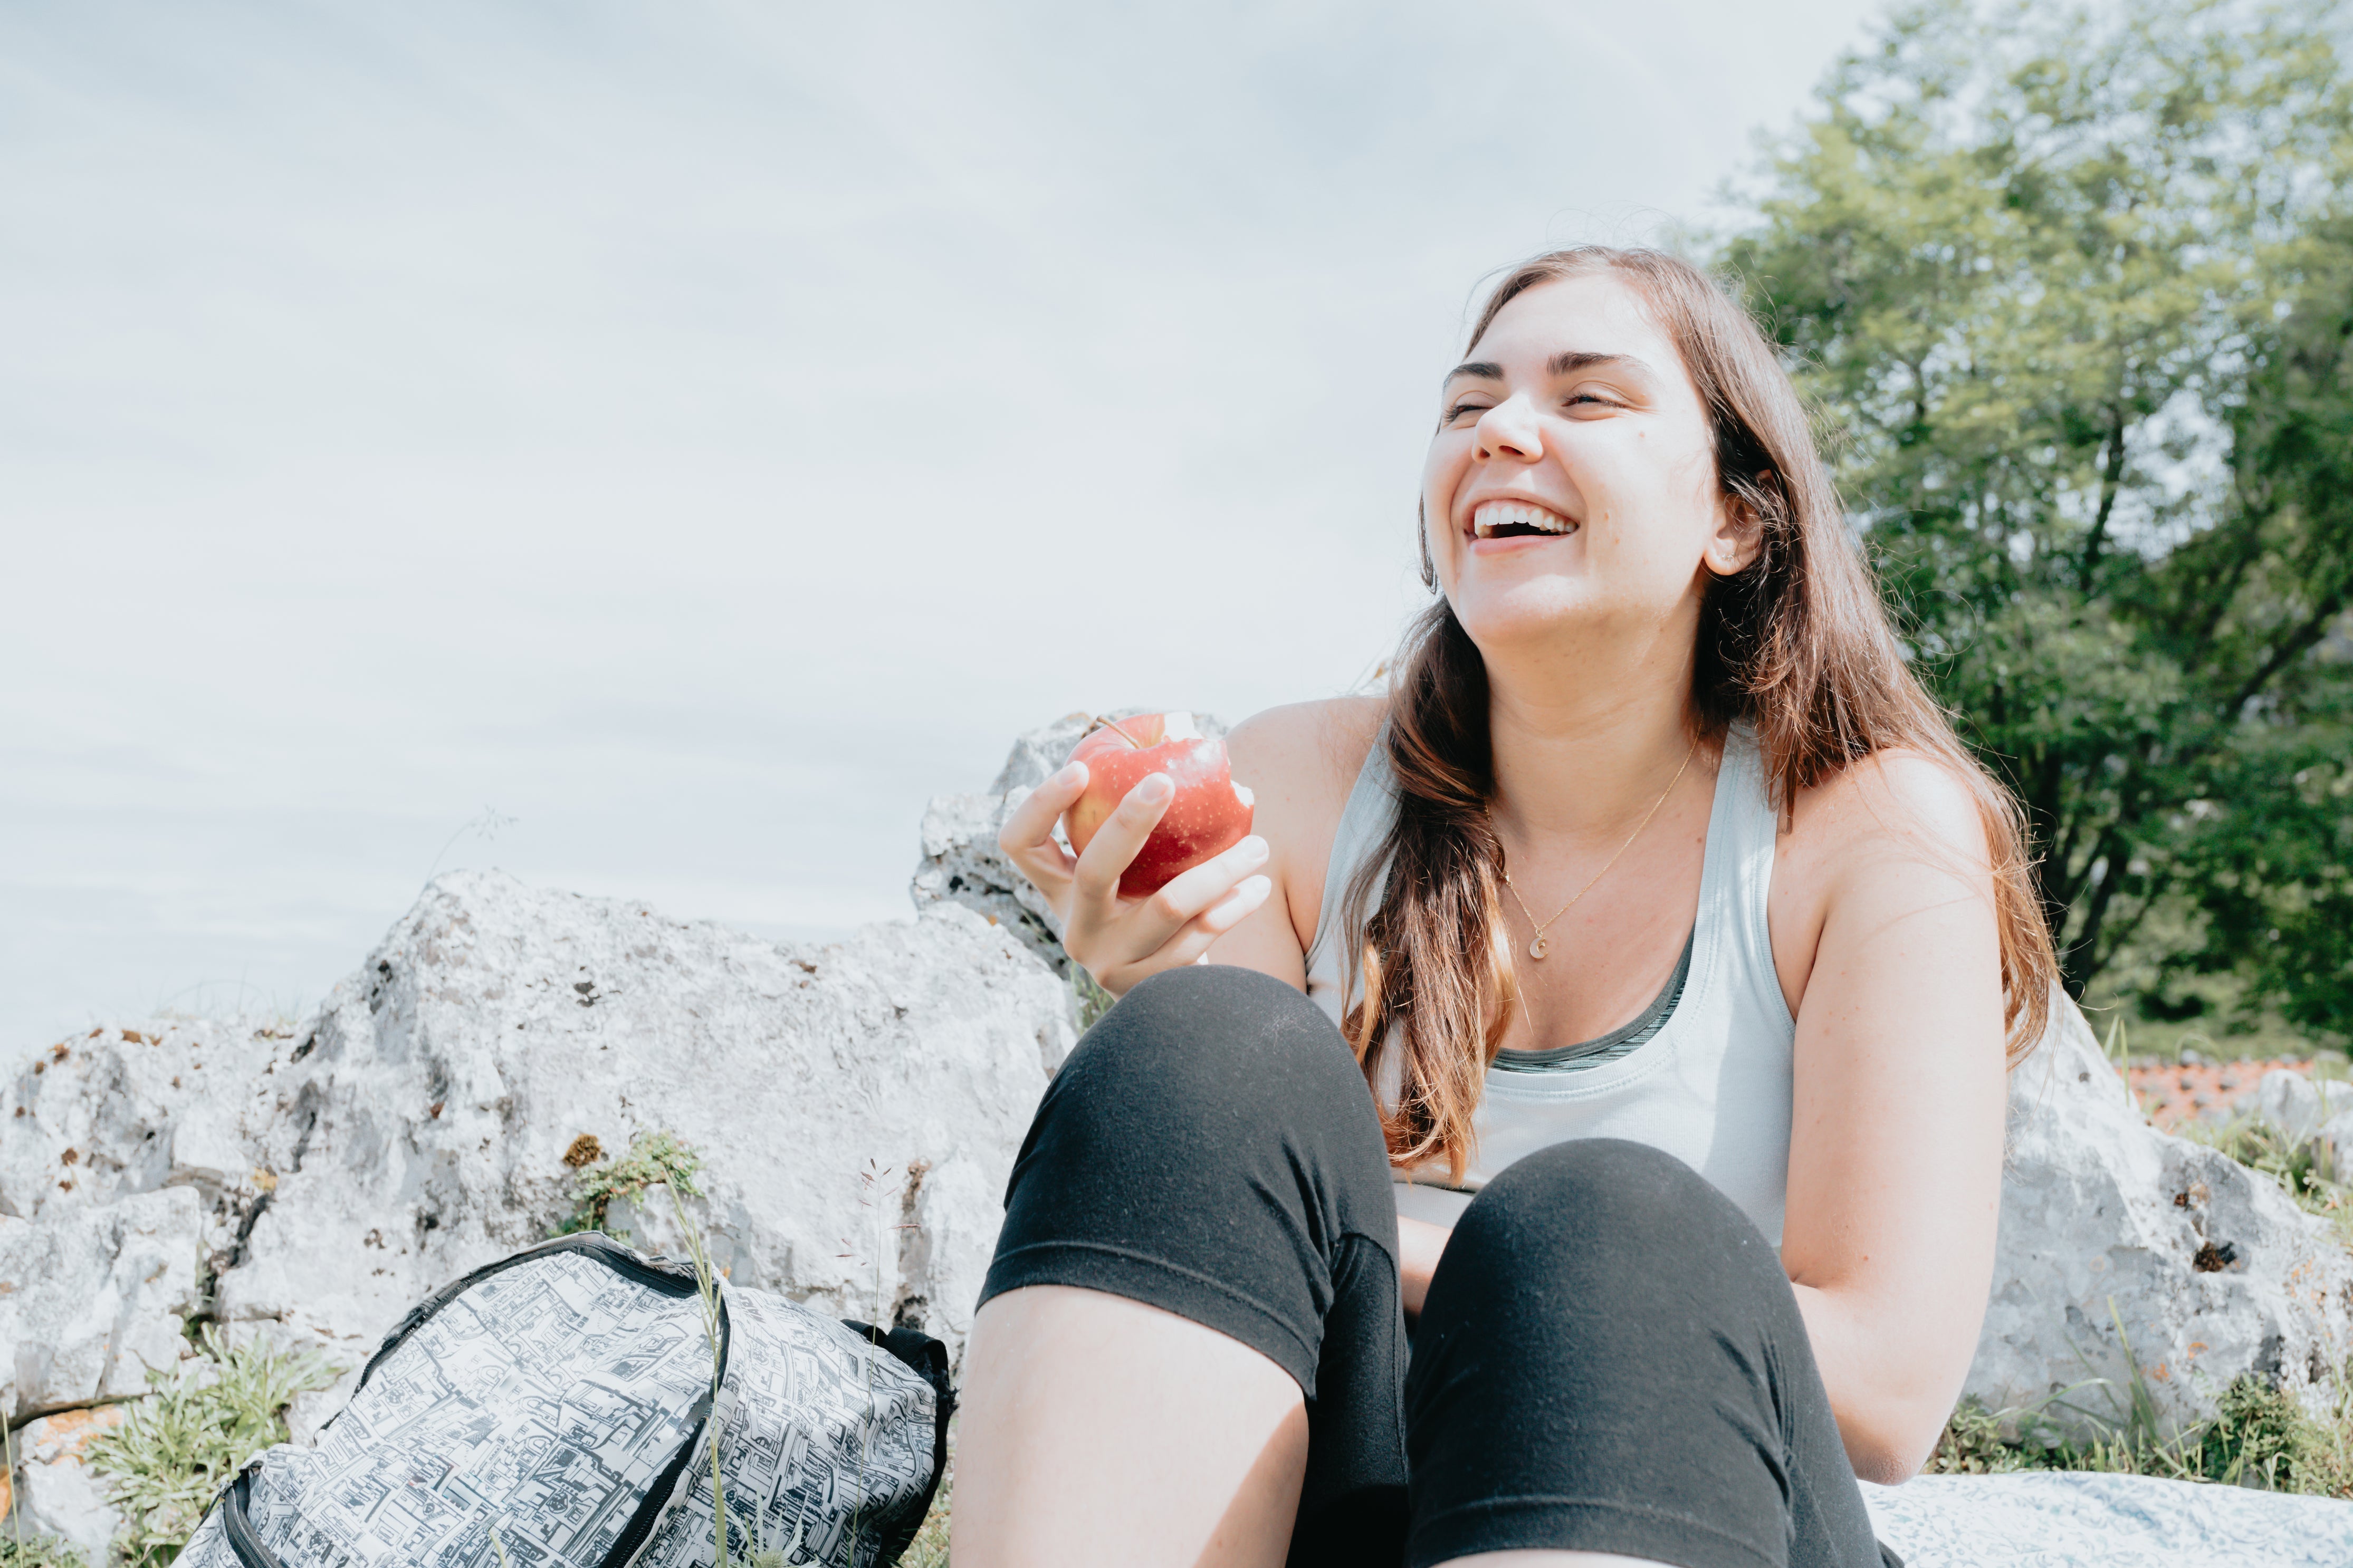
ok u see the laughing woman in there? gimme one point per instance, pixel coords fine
(1623, 1003)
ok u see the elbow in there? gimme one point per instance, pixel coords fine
(1888, 1446)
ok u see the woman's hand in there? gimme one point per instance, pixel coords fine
(1122, 941)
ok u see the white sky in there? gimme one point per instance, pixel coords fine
(703, 431)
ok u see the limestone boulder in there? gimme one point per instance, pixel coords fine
(857, 1105)
(93, 1297)
(843, 1098)
(2123, 1246)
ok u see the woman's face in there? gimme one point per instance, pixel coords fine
(1572, 480)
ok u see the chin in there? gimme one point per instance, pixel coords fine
(1497, 615)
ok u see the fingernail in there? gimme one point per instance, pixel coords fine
(1071, 773)
(1156, 789)
(1253, 849)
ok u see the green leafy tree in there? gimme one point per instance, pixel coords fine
(2069, 287)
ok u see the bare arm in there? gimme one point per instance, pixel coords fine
(1896, 1129)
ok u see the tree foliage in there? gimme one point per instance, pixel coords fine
(2073, 289)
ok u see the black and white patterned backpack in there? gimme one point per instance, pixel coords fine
(556, 1410)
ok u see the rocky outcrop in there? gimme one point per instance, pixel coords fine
(2117, 1240)
(856, 1105)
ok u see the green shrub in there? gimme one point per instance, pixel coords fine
(654, 1158)
(205, 1418)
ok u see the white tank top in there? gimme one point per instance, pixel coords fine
(1711, 1088)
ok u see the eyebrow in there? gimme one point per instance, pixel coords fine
(1564, 362)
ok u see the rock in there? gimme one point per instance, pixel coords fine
(91, 1299)
(962, 865)
(2299, 1105)
(418, 1127)
(136, 1107)
(961, 862)
(2207, 1267)
(56, 1492)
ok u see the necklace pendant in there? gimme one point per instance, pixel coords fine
(1536, 946)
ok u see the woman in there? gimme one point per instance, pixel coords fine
(1654, 936)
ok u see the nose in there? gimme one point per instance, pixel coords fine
(1509, 430)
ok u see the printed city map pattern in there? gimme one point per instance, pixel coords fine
(543, 1402)
(830, 1443)
(546, 1402)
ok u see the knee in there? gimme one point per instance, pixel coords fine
(1209, 1033)
(1595, 1198)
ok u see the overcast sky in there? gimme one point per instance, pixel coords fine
(700, 432)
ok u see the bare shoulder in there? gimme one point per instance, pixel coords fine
(1304, 751)
(1902, 807)
(1300, 762)
(1874, 846)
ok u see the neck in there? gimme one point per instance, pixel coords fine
(1587, 737)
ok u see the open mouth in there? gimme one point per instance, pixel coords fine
(1517, 520)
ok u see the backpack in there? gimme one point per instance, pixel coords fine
(556, 1410)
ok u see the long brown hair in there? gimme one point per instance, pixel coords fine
(1797, 643)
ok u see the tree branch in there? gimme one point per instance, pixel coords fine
(2314, 627)
(2111, 483)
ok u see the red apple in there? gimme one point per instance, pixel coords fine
(1210, 815)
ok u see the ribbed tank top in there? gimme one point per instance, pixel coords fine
(1711, 1087)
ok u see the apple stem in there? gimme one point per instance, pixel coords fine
(1112, 724)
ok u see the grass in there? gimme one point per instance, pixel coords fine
(2259, 1436)
(930, 1547)
(204, 1419)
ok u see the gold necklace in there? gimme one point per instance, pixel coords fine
(1536, 942)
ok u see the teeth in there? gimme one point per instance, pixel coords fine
(1494, 514)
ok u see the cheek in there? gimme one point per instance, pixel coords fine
(1441, 471)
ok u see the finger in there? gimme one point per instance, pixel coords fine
(1115, 842)
(1026, 835)
(1163, 914)
(1188, 894)
(1191, 944)
(1031, 823)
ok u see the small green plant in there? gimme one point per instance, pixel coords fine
(205, 1418)
(1093, 1000)
(21, 1550)
(1972, 1445)
(655, 1159)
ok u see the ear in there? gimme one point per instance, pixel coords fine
(1739, 528)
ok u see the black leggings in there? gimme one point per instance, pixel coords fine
(1609, 1359)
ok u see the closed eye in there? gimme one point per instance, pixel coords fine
(1460, 409)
